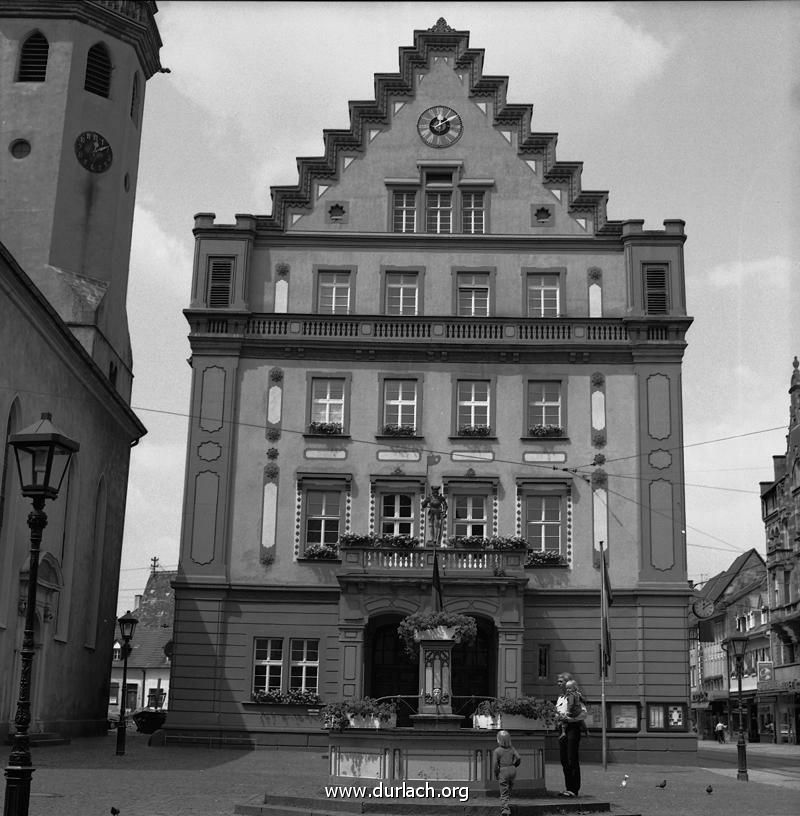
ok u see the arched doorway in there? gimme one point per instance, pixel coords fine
(390, 672)
(474, 670)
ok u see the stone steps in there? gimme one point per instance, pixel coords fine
(321, 806)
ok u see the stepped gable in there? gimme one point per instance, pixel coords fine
(532, 146)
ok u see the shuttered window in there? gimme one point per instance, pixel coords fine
(33, 59)
(656, 296)
(98, 71)
(220, 282)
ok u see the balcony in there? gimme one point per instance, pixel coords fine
(418, 562)
(385, 330)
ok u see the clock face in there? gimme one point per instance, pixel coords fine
(703, 608)
(440, 126)
(93, 152)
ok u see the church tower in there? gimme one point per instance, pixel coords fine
(72, 85)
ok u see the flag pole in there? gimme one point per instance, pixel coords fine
(603, 660)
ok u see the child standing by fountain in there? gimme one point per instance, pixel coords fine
(506, 761)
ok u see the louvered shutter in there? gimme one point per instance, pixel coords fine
(220, 282)
(98, 71)
(33, 59)
(656, 300)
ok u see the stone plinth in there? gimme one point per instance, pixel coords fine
(438, 757)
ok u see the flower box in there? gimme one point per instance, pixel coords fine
(486, 721)
(360, 721)
(436, 633)
(516, 722)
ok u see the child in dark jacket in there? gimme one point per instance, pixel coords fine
(506, 761)
(574, 710)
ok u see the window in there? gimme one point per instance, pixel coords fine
(543, 522)
(656, 296)
(402, 293)
(439, 212)
(333, 293)
(304, 665)
(472, 409)
(135, 99)
(473, 294)
(472, 213)
(33, 59)
(544, 407)
(156, 697)
(116, 653)
(404, 211)
(543, 295)
(327, 405)
(397, 514)
(98, 71)
(323, 511)
(400, 406)
(220, 282)
(113, 694)
(270, 669)
(666, 717)
(469, 515)
(543, 662)
(268, 664)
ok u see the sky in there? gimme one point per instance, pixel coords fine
(678, 110)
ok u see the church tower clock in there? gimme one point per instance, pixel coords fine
(72, 85)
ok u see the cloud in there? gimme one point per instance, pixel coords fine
(765, 273)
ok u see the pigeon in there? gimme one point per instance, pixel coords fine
(709, 789)
(662, 784)
(114, 811)
(624, 781)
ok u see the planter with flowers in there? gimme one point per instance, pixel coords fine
(435, 626)
(474, 430)
(320, 552)
(289, 709)
(326, 428)
(394, 542)
(492, 543)
(518, 713)
(545, 430)
(366, 712)
(399, 430)
(545, 558)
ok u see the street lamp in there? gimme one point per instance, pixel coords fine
(127, 626)
(738, 645)
(43, 455)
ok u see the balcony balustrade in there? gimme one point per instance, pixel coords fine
(379, 330)
(419, 561)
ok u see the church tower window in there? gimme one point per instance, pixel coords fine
(33, 59)
(98, 71)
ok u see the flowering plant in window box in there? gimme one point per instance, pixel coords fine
(320, 552)
(399, 430)
(461, 628)
(366, 712)
(326, 428)
(491, 543)
(275, 696)
(545, 430)
(516, 712)
(397, 542)
(474, 430)
(544, 558)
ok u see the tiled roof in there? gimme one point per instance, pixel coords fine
(157, 606)
(147, 648)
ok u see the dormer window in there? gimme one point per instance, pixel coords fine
(33, 59)
(116, 653)
(98, 71)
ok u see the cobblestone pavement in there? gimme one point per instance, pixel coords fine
(86, 778)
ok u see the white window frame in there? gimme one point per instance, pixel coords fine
(542, 409)
(404, 214)
(539, 543)
(469, 287)
(543, 294)
(404, 287)
(326, 405)
(397, 521)
(470, 405)
(464, 526)
(329, 517)
(305, 665)
(334, 291)
(404, 403)
(473, 212)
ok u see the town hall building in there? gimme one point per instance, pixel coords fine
(436, 307)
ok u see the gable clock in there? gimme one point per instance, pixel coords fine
(440, 126)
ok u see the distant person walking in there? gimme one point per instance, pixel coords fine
(506, 761)
(719, 730)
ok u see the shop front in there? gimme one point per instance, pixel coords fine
(778, 708)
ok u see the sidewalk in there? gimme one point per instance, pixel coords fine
(86, 778)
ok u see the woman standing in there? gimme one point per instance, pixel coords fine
(570, 720)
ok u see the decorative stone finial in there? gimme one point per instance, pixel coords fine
(795, 373)
(441, 27)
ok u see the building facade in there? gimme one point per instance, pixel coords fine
(436, 303)
(780, 508)
(72, 78)
(732, 602)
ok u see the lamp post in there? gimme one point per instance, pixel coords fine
(43, 455)
(738, 645)
(127, 626)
